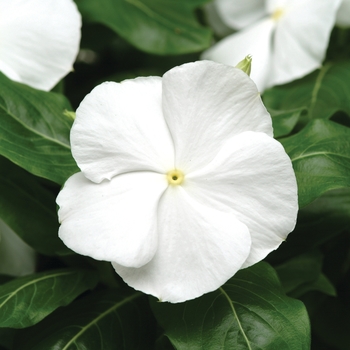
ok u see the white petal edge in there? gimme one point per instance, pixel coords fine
(239, 14)
(215, 21)
(17, 258)
(252, 177)
(296, 54)
(204, 104)
(113, 221)
(199, 249)
(39, 40)
(255, 40)
(343, 14)
(119, 127)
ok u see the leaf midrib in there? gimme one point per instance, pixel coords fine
(303, 156)
(236, 317)
(32, 282)
(97, 319)
(56, 141)
(317, 87)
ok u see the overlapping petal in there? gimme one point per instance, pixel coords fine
(39, 40)
(202, 111)
(255, 40)
(16, 257)
(253, 178)
(301, 38)
(292, 46)
(199, 249)
(119, 127)
(343, 14)
(115, 220)
(240, 14)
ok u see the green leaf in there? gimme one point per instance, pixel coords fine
(27, 300)
(303, 273)
(323, 92)
(320, 154)
(155, 26)
(324, 218)
(321, 284)
(34, 131)
(317, 223)
(250, 311)
(106, 320)
(283, 122)
(29, 209)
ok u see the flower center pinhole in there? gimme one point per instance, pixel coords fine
(175, 177)
(277, 14)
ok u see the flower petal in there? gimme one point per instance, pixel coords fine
(115, 220)
(254, 40)
(252, 177)
(240, 14)
(199, 249)
(120, 128)
(204, 104)
(39, 40)
(17, 258)
(295, 52)
(343, 14)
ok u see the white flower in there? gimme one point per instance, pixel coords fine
(182, 183)
(343, 15)
(16, 257)
(287, 38)
(39, 40)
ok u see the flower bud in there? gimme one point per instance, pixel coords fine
(245, 65)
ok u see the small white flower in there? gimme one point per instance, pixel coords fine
(17, 258)
(39, 40)
(286, 38)
(343, 15)
(182, 183)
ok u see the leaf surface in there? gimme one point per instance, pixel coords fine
(27, 300)
(320, 154)
(155, 26)
(283, 122)
(323, 92)
(318, 222)
(29, 209)
(107, 320)
(34, 131)
(250, 312)
(303, 273)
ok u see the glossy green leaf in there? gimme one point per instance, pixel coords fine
(105, 320)
(303, 273)
(250, 311)
(317, 223)
(283, 122)
(155, 26)
(27, 300)
(34, 131)
(29, 209)
(323, 92)
(320, 154)
(321, 284)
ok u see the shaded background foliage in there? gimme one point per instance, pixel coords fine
(267, 306)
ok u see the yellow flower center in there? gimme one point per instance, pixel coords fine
(175, 177)
(277, 14)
